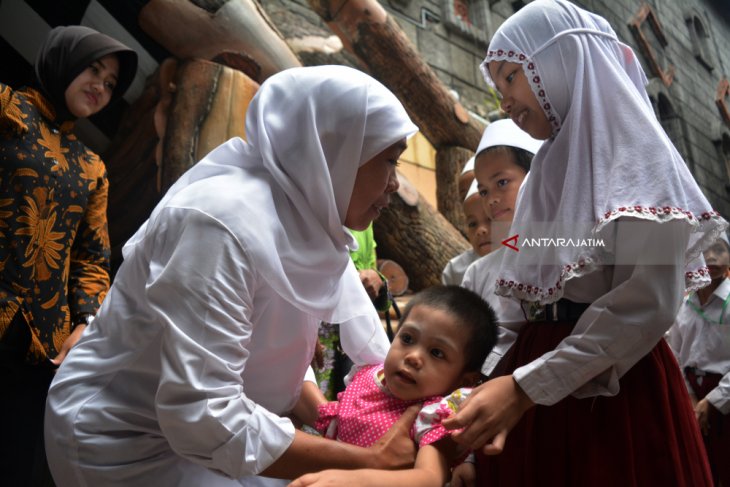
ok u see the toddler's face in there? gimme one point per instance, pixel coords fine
(499, 179)
(427, 356)
(518, 100)
(477, 225)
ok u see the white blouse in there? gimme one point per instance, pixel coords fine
(700, 338)
(182, 377)
(454, 270)
(631, 308)
(480, 277)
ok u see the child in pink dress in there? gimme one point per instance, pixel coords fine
(443, 338)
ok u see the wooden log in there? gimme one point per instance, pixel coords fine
(132, 169)
(376, 39)
(203, 107)
(208, 108)
(189, 31)
(412, 233)
(449, 161)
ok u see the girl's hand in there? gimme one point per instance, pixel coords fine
(489, 414)
(464, 475)
(702, 413)
(68, 344)
(395, 449)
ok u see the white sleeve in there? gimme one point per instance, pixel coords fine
(468, 281)
(309, 375)
(474, 280)
(505, 339)
(201, 291)
(620, 327)
(720, 395)
(447, 275)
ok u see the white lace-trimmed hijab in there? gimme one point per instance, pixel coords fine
(308, 131)
(608, 156)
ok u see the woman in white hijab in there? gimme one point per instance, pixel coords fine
(202, 344)
(589, 394)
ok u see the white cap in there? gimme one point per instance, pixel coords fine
(506, 132)
(472, 190)
(723, 236)
(469, 166)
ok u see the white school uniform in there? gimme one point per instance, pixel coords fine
(481, 278)
(700, 338)
(454, 271)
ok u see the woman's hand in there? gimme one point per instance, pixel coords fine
(489, 414)
(395, 449)
(334, 478)
(702, 413)
(68, 344)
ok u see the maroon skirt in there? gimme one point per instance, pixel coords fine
(646, 435)
(717, 439)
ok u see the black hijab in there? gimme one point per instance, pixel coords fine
(67, 51)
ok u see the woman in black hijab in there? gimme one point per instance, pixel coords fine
(54, 244)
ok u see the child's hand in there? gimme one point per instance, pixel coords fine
(489, 414)
(463, 475)
(702, 413)
(396, 449)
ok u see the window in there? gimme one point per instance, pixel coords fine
(700, 39)
(468, 18)
(650, 37)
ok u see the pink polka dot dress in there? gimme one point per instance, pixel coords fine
(366, 410)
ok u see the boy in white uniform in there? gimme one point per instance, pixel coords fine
(700, 338)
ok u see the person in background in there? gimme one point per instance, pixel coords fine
(700, 339)
(477, 232)
(590, 393)
(54, 245)
(502, 164)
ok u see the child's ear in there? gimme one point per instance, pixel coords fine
(471, 379)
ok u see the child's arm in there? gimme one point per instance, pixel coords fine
(431, 470)
(308, 453)
(306, 410)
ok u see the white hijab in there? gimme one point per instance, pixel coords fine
(308, 131)
(608, 156)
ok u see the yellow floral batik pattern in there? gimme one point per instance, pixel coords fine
(54, 243)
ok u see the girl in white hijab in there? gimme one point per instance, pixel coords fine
(589, 393)
(202, 344)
